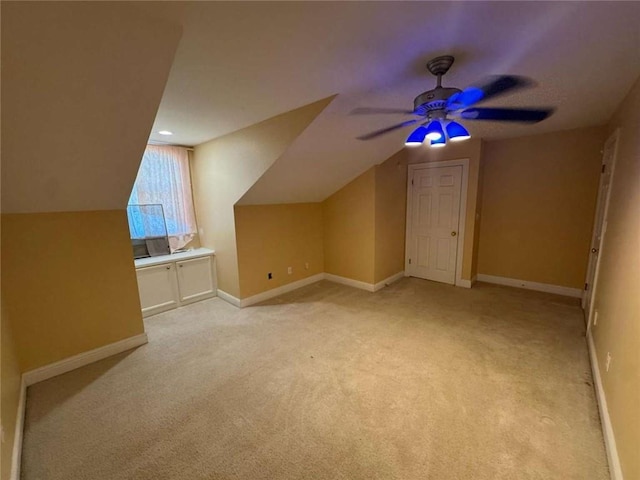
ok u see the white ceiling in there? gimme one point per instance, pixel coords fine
(239, 63)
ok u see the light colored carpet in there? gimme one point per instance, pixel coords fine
(417, 381)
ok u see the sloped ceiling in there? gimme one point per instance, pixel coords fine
(81, 83)
(65, 85)
(316, 165)
(239, 63)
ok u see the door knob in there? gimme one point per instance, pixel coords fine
(453, 234)
(594, 250)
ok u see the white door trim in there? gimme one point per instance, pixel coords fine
(464, 163)
(614, 137)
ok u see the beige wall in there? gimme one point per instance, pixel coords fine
(390, 216)
(538, 206)
(10, 387)
(617, 298)
(471, 150)
(356, 233)
(363, 225)
(349, 229)
(225, 168)
(81, 83)
(272, 238)
(365, 221)
(68, 283)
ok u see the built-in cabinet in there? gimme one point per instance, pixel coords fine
(170, 281)
(195, 280)
(158, 288)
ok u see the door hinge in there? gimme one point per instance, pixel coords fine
(604, 167)
(586, 286)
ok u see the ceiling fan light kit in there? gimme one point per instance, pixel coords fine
(441, 142)
(434, 106)
(435, 134)
(434, 130)
(417, 137)
(457, 132)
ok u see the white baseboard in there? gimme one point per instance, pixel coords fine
(540, 287)
(369, 287)
(466, 283)
(82, 359)
(16, 455)
(55, 369)
(274, 292)
(388, 281)
(607, 429)
(227, 297)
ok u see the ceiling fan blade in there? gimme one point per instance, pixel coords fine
(374, 110)
(382, 131)
(529, 115)
(492, 87)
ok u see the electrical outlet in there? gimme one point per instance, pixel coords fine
(269, 276)
(595, 318)
(306, 266)
(608, 360)
(289, 270)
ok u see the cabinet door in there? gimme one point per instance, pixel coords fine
(195, 279)
(158, 289)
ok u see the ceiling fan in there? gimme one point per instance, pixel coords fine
(434, 107)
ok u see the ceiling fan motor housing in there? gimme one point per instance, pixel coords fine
(433, 101)
(434, 105)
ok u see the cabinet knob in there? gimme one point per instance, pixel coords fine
(180, 265)
(168, 267)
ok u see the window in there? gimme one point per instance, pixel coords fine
(163, 179)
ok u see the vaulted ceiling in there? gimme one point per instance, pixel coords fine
(239, 63)
(78, 101)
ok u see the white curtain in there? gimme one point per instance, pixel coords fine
(164, 179)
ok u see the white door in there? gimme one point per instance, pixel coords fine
(600, 222)
(433, 230)
(195, 279)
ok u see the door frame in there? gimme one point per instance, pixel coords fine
(411, 169)
(614, 137)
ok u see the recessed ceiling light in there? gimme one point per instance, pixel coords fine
(165, 132)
